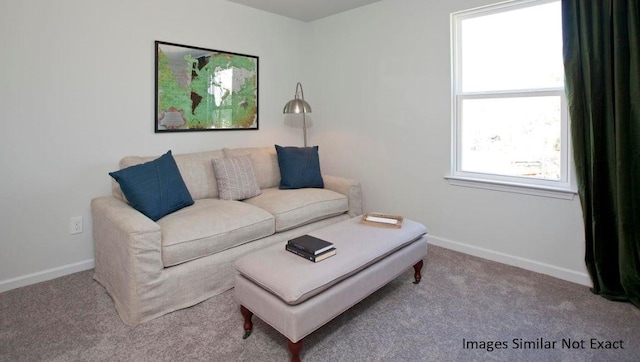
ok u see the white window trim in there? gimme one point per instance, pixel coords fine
(565, 188)
(513, 187)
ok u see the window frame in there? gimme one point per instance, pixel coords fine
(563, 188)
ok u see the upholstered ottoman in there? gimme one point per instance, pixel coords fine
(296, 296)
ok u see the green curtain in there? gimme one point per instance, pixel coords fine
(602, 69)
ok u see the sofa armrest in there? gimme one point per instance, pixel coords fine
(128, 254)
(348, 187)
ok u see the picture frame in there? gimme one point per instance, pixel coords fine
(199, 89)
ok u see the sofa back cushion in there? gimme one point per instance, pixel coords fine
(265, 163)
(196, 170)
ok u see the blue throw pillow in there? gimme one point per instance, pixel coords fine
(299, 167)
(154, 188)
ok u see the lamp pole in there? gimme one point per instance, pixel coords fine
(304, 113)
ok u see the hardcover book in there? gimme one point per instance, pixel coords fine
(314, 258)
(310, 244)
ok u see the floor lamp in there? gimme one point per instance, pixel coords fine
(299, 105)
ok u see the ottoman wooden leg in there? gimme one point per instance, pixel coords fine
(294, 349)
(417, 268)
(248, 324)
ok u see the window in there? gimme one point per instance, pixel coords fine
(510, 118)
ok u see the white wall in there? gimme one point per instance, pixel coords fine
(381, 98)
(77, 89)
(77, 95)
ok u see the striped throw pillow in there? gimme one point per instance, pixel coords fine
(236, 178)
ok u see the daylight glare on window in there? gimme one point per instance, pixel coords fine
(517, 49)
(512, 136)
(510, 109)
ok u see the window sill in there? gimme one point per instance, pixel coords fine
(527, 189)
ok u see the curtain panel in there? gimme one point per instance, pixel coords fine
(602, 70)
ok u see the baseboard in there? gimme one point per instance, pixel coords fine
(532, 265)
(45, 275)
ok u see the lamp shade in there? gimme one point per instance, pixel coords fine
(297, 105)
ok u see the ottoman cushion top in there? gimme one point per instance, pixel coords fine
(294, 279)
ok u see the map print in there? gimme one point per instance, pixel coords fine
(201, 89)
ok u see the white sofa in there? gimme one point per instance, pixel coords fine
(153, 268)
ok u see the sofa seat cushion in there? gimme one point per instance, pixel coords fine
(293, 208)
(210, 226)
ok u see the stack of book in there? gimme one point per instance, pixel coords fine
(311, 248)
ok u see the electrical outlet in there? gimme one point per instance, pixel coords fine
(75, 227)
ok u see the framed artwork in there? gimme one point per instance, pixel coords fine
(200, 89)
